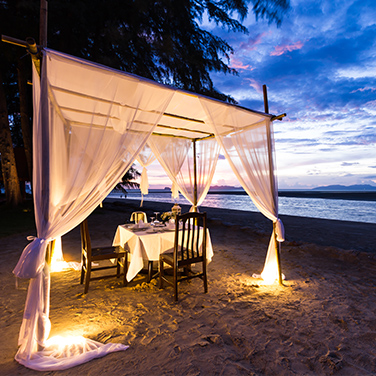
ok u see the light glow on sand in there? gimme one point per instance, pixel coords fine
(57, 260)
(61, 342)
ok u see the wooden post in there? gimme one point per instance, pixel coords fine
(43, 23)
(194, 176)
(272, 185)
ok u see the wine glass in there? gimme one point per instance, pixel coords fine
(152, 221)
(156, 222)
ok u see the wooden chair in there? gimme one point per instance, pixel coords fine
(90, 255)
(187, 251)
(137, 216)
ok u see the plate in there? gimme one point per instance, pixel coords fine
(139, 229)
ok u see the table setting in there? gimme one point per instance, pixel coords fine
(146, 241)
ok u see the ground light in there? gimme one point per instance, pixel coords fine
(57, 261)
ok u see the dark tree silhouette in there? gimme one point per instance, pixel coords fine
(159, 39)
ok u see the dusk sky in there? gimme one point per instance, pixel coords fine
(320, 69)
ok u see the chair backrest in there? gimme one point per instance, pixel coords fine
(138, 215)
(190, 238)
(85, 238)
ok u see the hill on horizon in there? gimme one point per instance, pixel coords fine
(355, 187)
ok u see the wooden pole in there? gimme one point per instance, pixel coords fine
(43, 23)
(272, 184)
(266, 103)
(194, 176)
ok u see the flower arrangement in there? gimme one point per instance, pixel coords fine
(166, 216)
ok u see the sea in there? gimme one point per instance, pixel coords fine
(338, 209)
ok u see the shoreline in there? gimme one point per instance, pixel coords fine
(331, 195)
(347, 235)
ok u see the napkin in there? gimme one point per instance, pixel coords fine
(170, 225)
(140, 224)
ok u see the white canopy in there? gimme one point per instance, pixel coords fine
(90, 124)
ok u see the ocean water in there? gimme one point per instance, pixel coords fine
(343, 210)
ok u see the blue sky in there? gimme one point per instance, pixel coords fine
(320, 69)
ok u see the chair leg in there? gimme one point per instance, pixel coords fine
(125, 268)
(161, 274)
(205, 276)
(150, 271)
(88, 275)
(83, 266)
(176, 282)
(118, 264)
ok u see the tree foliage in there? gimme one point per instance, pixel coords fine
(163, 40)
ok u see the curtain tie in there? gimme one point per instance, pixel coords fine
(32, 260)
(280, 230)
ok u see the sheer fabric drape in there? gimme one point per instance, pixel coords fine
(250, 154)
(145, 158)
(171, 153)
(76, 165)
(176, 155)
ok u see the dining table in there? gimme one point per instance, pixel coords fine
(147, 243)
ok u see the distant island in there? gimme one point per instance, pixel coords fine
(359, 192)
(352, 188)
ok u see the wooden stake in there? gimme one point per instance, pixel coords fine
(272, 185)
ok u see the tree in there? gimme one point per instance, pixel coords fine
(159, 39)
(127, 181)
(8, 160)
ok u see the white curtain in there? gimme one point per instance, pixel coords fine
(177, 158)
(76, 165)
(145, 158)
(250, 152)
(171, 153)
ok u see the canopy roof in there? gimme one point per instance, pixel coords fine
(90, 123)
(184, 115)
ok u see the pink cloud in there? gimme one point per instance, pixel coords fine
(253, 83)
(251, 43)
(237, 64)
(363, 89)
(280, 50)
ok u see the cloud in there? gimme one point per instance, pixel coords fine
(324, 79)
(256, 85)
(363, 89)
(280, 50)
(346, 164)
(314, 172)
(237, 64)
(252, 42)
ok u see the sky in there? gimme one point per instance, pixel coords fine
(320, 69)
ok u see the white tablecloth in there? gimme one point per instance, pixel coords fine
(144, 245)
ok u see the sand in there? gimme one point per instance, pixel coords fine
(321, 322)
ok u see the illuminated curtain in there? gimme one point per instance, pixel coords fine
(171, 153)
(145, 158)
(177, 158)
(76, 165)
(250, 152)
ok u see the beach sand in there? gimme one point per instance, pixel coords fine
(321, 322)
